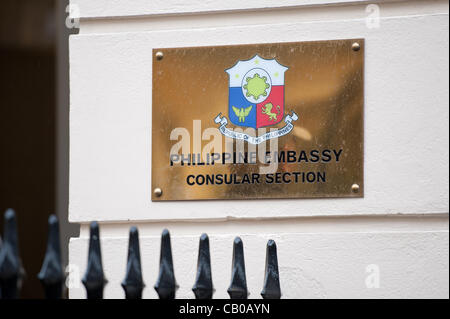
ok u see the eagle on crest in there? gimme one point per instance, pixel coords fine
(242, 113)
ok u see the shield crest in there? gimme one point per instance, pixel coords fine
(256, 92)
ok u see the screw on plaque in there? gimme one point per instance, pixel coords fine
(158, 192)
(356, 46)
(133, 284)
(238, 286)
(94, 279)
(271, 288)
(11, 271)
(203, 287)
(52, 273)
(166, 285)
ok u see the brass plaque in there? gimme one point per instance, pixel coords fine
(280, 120)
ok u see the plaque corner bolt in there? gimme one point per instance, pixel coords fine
(158, 192)
(356, 46)
(355, 188)
(159, 55)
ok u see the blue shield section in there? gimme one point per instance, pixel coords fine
(236, 98)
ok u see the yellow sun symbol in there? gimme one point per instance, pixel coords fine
(256, 86)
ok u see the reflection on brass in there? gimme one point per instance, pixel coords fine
(280, 120)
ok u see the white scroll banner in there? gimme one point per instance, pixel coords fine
(256, 139)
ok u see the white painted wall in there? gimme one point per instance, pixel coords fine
(325, 245)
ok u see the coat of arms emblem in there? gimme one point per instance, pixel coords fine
(256, 99)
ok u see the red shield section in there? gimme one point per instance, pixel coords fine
(271, 110)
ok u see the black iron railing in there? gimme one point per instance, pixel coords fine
(52, 274)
